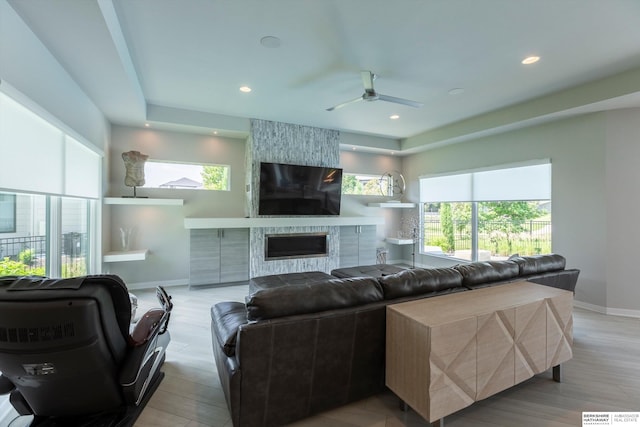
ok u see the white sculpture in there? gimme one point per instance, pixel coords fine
(134, 164)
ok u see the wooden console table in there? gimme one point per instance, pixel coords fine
(445, 353)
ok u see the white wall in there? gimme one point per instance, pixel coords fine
(576, 147)
(161, 229)
(623, 210)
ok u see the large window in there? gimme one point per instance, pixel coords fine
(51, 237)
(50, 181)
(488, 214)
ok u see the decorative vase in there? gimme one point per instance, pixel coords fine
(125, 238)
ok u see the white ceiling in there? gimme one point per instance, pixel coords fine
(182, 62)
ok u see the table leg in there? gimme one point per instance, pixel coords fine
(557, 374)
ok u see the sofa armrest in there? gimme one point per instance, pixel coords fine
(226, 319)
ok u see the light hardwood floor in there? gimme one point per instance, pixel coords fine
(604, 375)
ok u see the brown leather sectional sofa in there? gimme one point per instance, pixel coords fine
(303, 343)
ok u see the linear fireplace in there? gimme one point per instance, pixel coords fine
(297, 245)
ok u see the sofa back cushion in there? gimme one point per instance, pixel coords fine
(419, 281)
(313, 297)
(476, 273)
(537, 264)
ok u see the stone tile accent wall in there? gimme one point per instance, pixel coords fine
(277, 142)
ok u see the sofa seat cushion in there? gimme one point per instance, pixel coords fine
(420, 281)
(287, 279)
(226, 318)
(375, 270)
(312, 297)
(477, 273)
(537, 264)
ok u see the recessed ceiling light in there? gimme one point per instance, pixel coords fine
(147, 125)
(215, 132)
(270, 42)
(245, 89)
(353, 148)
(394, 117)
(456, 91)
(530, 60)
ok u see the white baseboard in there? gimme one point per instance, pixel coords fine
(623, 312)
(151, 285)
(590, 307)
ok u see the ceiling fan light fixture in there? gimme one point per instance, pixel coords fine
(370, 94)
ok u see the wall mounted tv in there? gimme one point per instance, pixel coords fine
(299, 190)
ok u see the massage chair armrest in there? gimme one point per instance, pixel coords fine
(154, 321)
(147, 327)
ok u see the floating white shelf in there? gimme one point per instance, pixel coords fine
(395, 241)
(280, 222)
(140, 201)
(119, 256)
(391, 205)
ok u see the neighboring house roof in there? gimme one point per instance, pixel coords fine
(182, 183)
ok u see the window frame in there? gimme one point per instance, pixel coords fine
(367, 175)
(182, 163)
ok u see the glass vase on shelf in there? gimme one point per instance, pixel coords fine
(126, 234)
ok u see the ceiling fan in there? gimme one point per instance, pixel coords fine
(370, 94)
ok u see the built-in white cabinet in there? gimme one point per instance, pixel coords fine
(357, 245)
(218, 255)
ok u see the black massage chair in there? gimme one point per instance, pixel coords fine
(69, 355)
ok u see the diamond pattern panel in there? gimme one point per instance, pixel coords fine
(495, 359)
(530, 340)
(559, 330)
(452, 366)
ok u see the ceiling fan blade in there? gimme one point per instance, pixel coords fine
(335, 107)
(367, 80)
(402, 101)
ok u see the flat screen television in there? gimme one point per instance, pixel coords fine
(299, 190)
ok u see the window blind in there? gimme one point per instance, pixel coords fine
(38, 157)
(524, 182)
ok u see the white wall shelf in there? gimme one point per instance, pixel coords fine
(119, 256)
(193, 223)
(140, 201)
(395, 241)
(397, 205)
